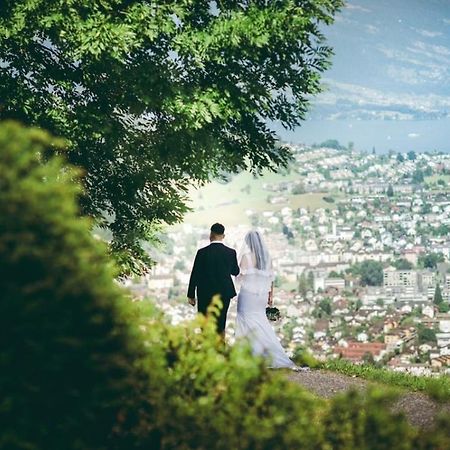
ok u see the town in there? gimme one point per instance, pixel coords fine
(362, 273)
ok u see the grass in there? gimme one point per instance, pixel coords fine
(436, 388)
(230, 202)
(434, 178)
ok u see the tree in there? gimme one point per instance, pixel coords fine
(303, 285)
(154, 97)
(334, 274)
(427, 171)
(298, 189)
(400, 158)
(411, 155)
(311, 280)
(402, 264)
(333, 143)
(437, 299)
(390, 191)
(430, 260)
(426, 209)
(287, 232)
(368, 359)
(325, 307)
(278, 281)
(417, 177)
(370, 272)
(442, 230)
(426, 335)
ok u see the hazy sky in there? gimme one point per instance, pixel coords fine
(392, 57)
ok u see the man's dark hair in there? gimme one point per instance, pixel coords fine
(218, 228)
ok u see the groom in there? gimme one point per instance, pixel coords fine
(211, 275)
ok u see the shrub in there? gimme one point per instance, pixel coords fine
(358, 421)
(66, 352)
(204, 395)
(303, 357)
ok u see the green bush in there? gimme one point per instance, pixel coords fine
(204, 395)
(66, 351)
(303, 357)
(358, 421)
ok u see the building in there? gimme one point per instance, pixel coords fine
(375, 294)
(410, 285)
(441, 361)
(393, 278)
(337, 283)
(393, 341)
(357, 351)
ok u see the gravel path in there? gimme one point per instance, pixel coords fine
(420, 410)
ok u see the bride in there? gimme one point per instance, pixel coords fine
(256, 292)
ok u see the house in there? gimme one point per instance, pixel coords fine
(428, 311)
(356, 351)
(419, 370)
(391, 323)
(362, 337)
(337, 283)
(441, 361)
(321, 328)
(443, 342)
(393, 341)
(444, 322)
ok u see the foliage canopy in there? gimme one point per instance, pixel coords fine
(370, 272)
(430, 260)
(152, 96)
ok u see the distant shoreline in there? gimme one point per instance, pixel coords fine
(423, 135)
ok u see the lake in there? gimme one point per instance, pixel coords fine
(384, 135)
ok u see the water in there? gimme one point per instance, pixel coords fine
(399, 136)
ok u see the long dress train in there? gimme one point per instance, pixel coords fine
(251, 320)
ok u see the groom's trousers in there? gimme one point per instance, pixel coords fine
(222, 319)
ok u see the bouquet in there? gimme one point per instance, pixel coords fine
(273, 313)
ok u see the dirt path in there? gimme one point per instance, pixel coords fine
(420, 410)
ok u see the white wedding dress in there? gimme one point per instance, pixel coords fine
(251, 321)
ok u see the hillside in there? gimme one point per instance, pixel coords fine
(230, 202)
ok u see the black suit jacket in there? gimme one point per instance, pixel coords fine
(211, 274)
